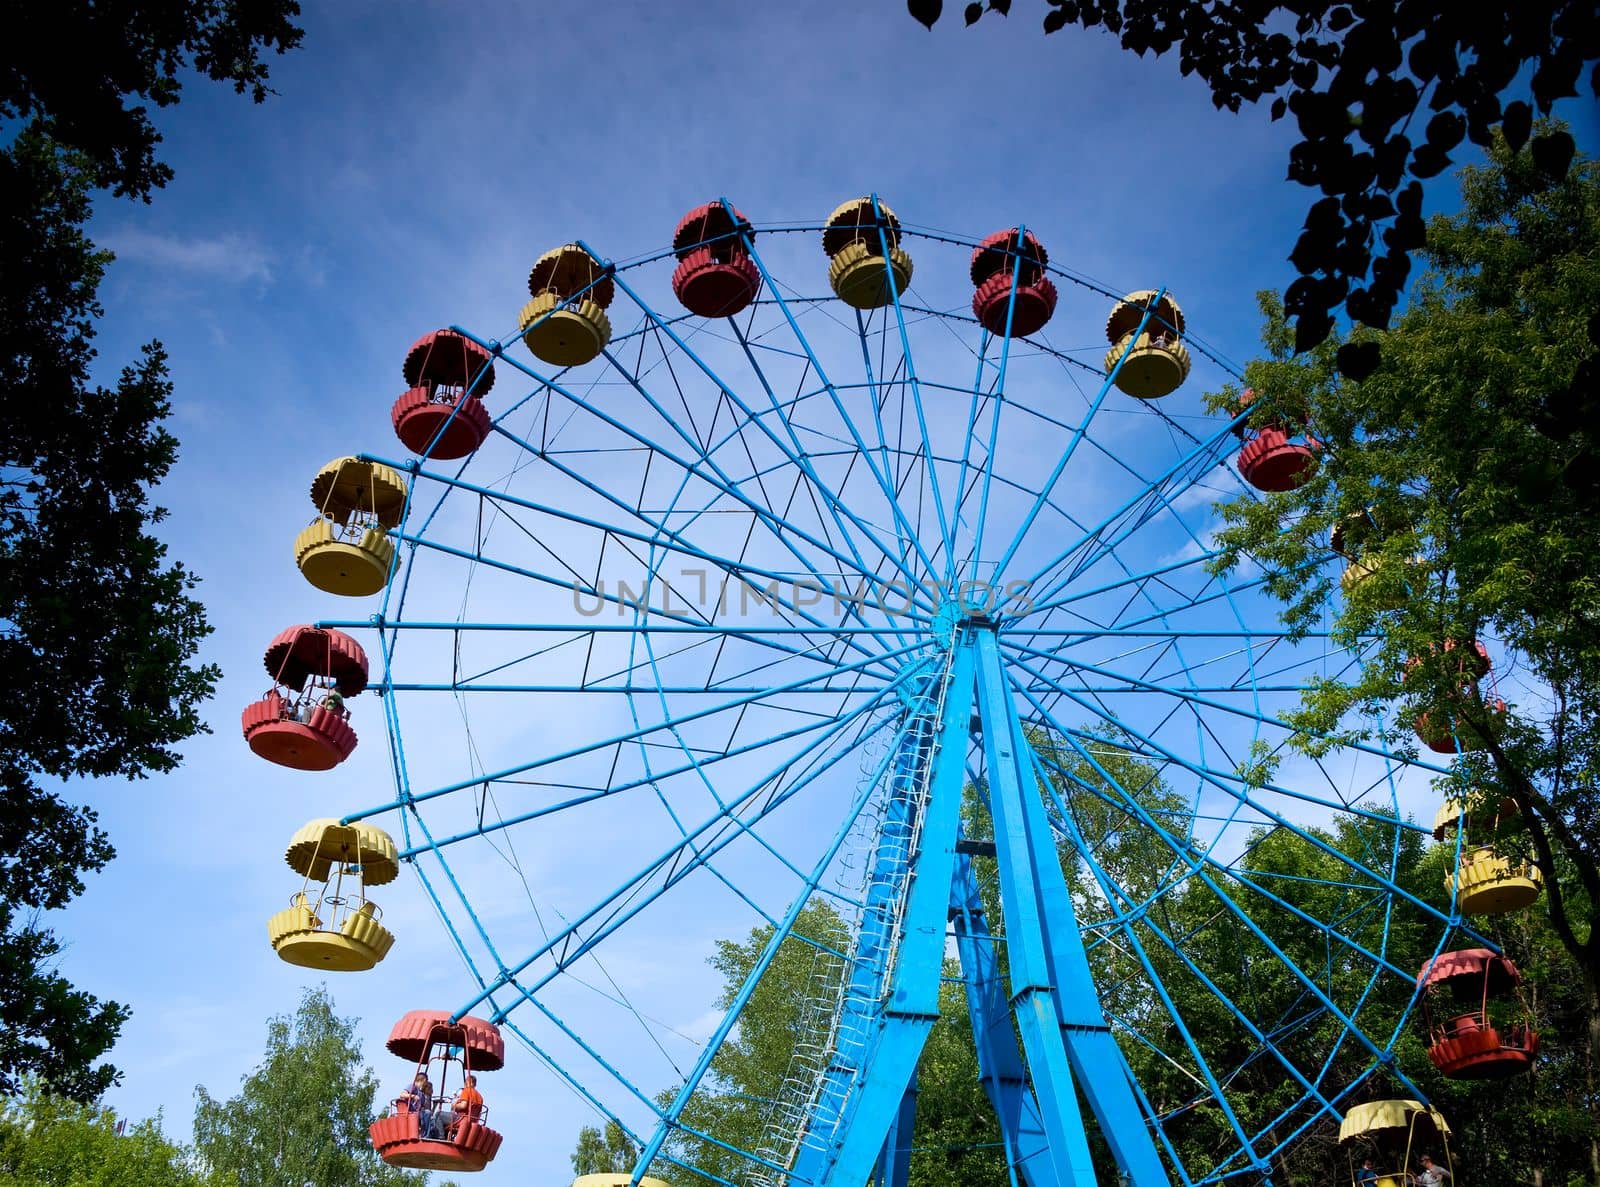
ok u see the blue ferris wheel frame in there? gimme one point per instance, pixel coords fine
(937, 699)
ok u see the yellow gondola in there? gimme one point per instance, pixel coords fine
(1158, 362)
(1356, 538)
(331, 926)
(1485, 881)
(565, 324)
(1394, 1134)
(346, 549)
(855, 239)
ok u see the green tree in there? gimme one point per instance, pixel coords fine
(1381, 94)
(1473, 492)
(956, 1141)
(1553, 1105)
(98, 631)
(302, 1115)
(1557, 1114)
(129, 50)
(602, 1151)
(736, 1098)
(1464, 474)
(51, 1141)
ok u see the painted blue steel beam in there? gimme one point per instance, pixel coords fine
(780, 528)
(1066, 454)
(793, 451)
(1200, 454)
(658, 537)
(1065, 1033)
(668, 862)
(629, 736)
(894, 1163)
(903, 526)
(998, 401)
(1000, 1068)
(946, 523)
(864, 1088)
(1199, 863)
(1052, 988)
(1078, 665)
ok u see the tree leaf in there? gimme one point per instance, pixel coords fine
(973, 12)
(1552, 153)
(925, 11)
(1557, 75)
(1311, 329)
(1357, 360)
(1446, 130)
(1516, 124)
(1429, 161)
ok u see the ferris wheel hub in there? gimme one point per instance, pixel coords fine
(969, 607)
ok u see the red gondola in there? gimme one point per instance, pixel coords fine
(1441, 728)
(437, 415)
(1277, 456)
(302, 722)
(715, 276)
(425, 1129)
(1272, 461)
(996, 262)
(1451, 734)
(1466, 1042)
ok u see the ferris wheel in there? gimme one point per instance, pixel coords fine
(712, 592)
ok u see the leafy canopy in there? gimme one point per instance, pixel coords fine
(1464, 474)
(97, 55)
(98, 629)
(302, 1115)
(604, 1151)
(47, 1141)
(1382, 94)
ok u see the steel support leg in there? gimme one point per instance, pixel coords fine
(861, 1122)
(1000, 1069)
(894, 1163)
(1052, 988)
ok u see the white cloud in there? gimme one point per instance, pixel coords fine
(229, 256)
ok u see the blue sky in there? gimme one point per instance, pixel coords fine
(414, 162)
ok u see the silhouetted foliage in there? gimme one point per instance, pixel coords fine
(71, 67)
(98, 630)
(1381, 93)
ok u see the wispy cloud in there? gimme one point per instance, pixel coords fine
(230, 256)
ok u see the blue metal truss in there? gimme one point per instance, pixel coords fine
(858, 1118)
